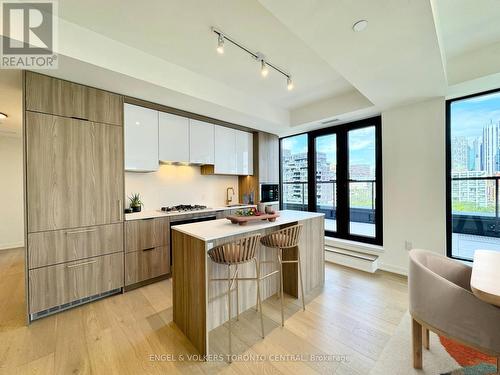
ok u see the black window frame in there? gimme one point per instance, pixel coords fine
(343, 177)
(449, 218)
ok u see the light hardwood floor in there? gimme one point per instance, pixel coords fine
(353, 315)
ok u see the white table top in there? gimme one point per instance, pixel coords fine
(485, 278)
(216, 229)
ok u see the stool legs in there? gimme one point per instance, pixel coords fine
(237, 295)
(280, 260)
(301, 281)
(229, 307)
(259, 301)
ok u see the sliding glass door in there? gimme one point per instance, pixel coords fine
(337, 171)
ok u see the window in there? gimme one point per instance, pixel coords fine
(294, 170)
(473, 173)
(340, 175)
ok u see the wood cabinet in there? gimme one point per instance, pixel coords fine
(48, 248)
(146, 264)
(58, 97)
(147, 246)
(63, 283)
(141, 139)
(268, 153)
(74, 173)
(146, 233)
(173, 138)
(201, 142)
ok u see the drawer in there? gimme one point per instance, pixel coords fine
(49, 248)
(146, 234)
(56, 285)
(146, 264)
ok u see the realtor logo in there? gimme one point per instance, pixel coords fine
(28, 35)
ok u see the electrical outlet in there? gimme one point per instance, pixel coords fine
(408, 245)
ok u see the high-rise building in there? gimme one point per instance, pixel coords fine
(474, 154)
(491, 144)
(459, 154)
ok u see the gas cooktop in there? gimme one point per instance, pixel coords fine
(184, 208)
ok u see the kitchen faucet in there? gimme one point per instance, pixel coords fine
(229, 200)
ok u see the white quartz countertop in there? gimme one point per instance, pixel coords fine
(216, 229)
(158, 213)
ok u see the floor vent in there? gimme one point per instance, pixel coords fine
(69, 305)
(349, 258)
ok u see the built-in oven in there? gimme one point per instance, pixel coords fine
(180, 221)
(269, 193)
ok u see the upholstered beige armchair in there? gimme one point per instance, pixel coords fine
(441, 301)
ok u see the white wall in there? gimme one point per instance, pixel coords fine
(413, 152)
(11, 193)
(174, 184)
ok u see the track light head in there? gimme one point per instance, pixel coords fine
(264, 70)
(220, 44)
(289, 83)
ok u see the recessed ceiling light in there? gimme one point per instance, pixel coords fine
(360, 25)
(3, 116)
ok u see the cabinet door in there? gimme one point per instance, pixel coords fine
(244, 152)
(268, 158)
(201, 142)
(146, 264)
(74, 173)
(104, 107)
(141, 139)
(55, 96)
(146, 234)
(174, 138)
(225, 151)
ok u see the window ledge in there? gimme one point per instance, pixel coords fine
(353, 245)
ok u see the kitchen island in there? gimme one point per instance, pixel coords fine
(200, 306)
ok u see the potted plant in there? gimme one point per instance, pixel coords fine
(135, 202)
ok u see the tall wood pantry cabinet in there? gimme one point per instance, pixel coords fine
(74, 190)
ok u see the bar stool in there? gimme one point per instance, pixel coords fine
(283, 239)
(236, 253)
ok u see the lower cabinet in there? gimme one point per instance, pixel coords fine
(146, 264)
(147, 249)
(68, 282)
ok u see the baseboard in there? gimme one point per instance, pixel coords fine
(12, 245)
(349, 258)
(393, 269)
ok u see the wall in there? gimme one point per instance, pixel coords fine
(11, 192)
(413, 151)
(174, 184)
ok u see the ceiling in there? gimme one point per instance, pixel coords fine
(164, 51)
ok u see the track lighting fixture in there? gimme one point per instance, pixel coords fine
(264, 63)
(220, 44)
(263, 68)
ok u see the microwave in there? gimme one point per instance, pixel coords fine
(269, 193)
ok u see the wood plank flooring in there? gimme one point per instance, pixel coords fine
(350, 319)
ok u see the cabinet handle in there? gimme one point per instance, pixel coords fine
(149, 249)
(81, 231)
(120, 209)
(81, 264)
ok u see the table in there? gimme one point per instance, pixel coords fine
(485, 279)
(199, 305)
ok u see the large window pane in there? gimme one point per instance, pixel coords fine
(362, 164)
(326, 179)
(475, 172)
(294, 172)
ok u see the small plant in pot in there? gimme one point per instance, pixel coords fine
(135, 202)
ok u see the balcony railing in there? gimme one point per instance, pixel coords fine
(363, 211)
(475, 205)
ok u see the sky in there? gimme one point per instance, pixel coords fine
(468, 116)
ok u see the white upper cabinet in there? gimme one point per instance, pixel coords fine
(201, 142)
(244, 153)
(225, 151)
(173, 138)
(141, 139)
